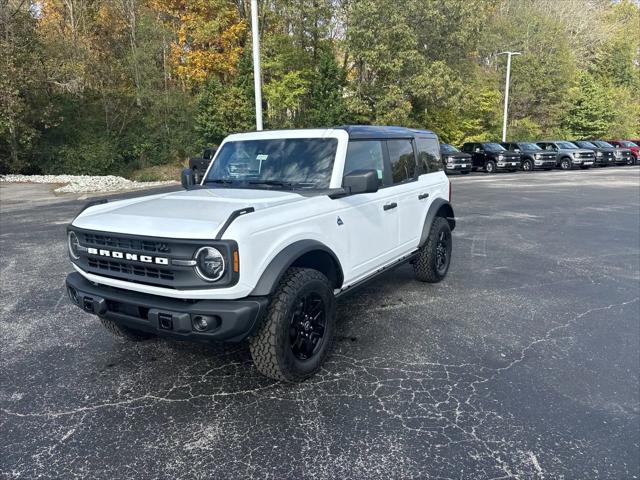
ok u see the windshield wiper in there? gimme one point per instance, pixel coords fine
(219, 180)
(275, 183)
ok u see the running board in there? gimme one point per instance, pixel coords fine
(401, 261)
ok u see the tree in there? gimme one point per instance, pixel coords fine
(591, 112)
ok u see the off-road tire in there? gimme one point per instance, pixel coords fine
(490, 167)
(124, 332)
(527, 166)
(565, 164)
(271, 347)
(424, 266)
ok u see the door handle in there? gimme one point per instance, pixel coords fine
(422, 196)
(389, 206)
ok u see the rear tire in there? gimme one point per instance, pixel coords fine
(299, 328)
(124, 332)
(430, 265)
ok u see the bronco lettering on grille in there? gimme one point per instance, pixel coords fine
(128, 256)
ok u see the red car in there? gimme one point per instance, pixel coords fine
(633, 145)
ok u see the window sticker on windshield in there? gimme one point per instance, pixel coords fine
(262, 156)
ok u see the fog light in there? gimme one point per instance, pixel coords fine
(202, 323)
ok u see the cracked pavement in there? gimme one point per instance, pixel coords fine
(522, 364)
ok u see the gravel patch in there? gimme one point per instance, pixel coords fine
(84, 183)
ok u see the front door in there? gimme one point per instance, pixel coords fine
(369, 220)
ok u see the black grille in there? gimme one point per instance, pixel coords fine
(97, 240)
(130, 269)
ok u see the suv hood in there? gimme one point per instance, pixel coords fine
(193, 214)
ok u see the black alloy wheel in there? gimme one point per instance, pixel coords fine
(307, 326)
(443, 251)
(490, 167)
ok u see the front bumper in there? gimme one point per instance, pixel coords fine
(230, 320)
(542, 164)
(603, 161)
(508, 165)
(457, 167)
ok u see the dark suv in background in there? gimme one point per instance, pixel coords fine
(569, 155)
(604, 156)
(453, 160)
(492, 157)
(532, 156)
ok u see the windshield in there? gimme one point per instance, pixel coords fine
(628, 144)
(582, 144)
(528, 146)
(567, 145)
(493, 147)
(446, 148)
(291, 162)
(602, 144)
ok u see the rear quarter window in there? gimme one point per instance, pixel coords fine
(428, 155)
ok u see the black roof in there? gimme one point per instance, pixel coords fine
(372, 131)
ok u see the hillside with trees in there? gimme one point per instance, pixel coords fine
(110, 86)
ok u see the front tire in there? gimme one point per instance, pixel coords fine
(565, 164)
(124, 332)
(527, 166)
(298, 332)
(490, 167)
(434, 257)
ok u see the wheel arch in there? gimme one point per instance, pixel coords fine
(439, 208)
(304, 254)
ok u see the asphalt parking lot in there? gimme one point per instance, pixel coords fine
(523, 364)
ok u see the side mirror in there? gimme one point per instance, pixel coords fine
(361, 181)
(186, 178)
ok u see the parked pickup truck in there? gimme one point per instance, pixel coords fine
(631, 146)
(533, 157)
(621, 156)
(491, 157)
(282, 225)
(569, 155)
(453, 160)
(199, 165)
(604, 156)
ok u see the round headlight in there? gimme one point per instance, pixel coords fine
(74, 245)
(209, 264)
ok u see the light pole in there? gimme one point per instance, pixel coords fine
(257, 79)
(506, 93)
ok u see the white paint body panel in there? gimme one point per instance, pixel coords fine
(368, 239)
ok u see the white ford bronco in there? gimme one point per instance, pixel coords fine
(282, 224)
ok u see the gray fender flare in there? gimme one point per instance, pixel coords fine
(270, 278)
(439, 208)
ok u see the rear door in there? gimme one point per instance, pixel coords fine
(404, 176)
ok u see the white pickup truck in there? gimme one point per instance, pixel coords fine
(281, 225)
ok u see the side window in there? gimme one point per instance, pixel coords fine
(428, 154)
(402, 160)
(365, 155)
(467, 147)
